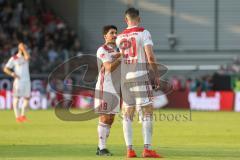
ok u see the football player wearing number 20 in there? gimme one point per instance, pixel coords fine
(136, 44)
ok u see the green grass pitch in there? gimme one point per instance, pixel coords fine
(195, 136)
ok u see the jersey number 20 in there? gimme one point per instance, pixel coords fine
(128, 47)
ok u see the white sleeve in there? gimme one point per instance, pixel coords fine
(10, 63)
(147, 38)
(103, 55)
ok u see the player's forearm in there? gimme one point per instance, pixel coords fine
(151, 58)
(115, 64)
(153, 65)
(110, 67)
(26, 54)
(22, 48)
(8, 72)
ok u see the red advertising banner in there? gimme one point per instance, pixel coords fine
(227, 101)
(212, 100)
(178, 99)
(84, 99)
(37, 100)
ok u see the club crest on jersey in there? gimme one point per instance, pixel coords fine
(102, 55)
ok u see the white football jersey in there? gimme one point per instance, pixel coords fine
(106, 79)
(107, 89)
(131, 42)
(20, 67)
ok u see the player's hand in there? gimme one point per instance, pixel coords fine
(155, 80)
(14, 75)
(21, 47)
(121, 55)
(117, 55)
(157, 83)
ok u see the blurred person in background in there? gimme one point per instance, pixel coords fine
(18, 67)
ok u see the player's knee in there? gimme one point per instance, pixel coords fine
(129, 112)
(15, 99)
(111, 119)
(103, 119)
(27, 98)
(148, 110)
(106, 119)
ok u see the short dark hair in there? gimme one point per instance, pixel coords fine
(107, 28)
(132, 13)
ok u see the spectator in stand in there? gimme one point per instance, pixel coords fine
(42, 30)
(235, 67)
(176, 83)
(188, 84)
(205, 84)
(52, 54)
